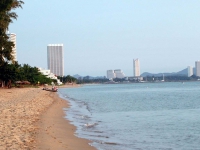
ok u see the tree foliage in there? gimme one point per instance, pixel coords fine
(16, 72)
(67, 79)
(6, 17)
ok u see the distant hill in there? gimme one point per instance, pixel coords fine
(100, 77)
(88, 77)
(77, 76)
(183, 72)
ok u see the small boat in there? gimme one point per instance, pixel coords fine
(53, 89)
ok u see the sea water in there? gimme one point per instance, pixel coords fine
(140, 116)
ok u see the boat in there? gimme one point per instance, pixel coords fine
(53, 89)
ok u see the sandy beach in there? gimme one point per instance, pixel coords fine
(32, 118)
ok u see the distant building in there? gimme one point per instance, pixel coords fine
(44, 71)
(135, 78)
(55, 59)
(12, 38)
(190, 71)
(136, 68)
(119, 73)
(197, 67)
(50, 75)
(111, 74)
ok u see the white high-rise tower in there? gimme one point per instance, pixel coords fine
(55, 59)
(136, 68)
(190, 71)
(12, 38)
(197, 67)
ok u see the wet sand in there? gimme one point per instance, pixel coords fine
(32, 118)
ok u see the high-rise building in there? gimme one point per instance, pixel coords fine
(119, 73)
(197, 67)
(136, 68)
(190, 71)
(111, 74)
(55, 59)
(12, 38)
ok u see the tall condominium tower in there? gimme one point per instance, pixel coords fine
(136, 68)
(12, 38)
(190, 71)
(197, 67)
(55, 60)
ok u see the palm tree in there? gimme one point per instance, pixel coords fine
(6, 16)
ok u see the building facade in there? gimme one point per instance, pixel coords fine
(50, 75)
(190, 71)
(12, 38)
(197, 68)
(111, 74)
(136, 68)
(55, 59)
(119, 73)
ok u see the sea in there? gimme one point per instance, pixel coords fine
(137, 116)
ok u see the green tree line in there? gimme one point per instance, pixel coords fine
(67, 79)
(15, 72)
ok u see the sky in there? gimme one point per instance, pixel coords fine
(101, 35)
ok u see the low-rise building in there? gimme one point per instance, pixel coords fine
(50, 75)
(135, 78)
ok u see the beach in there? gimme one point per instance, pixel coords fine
(32, 118)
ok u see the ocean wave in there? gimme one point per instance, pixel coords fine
(90, 125)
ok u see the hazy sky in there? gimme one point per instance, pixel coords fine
(99, 35)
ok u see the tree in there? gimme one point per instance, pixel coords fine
(10, 73)
(6, 16)
(67, 79)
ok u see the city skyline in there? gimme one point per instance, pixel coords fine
(55, 60)
(108, 34)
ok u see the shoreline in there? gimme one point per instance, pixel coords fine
(56, 132)
(69, 86)
(32, 118)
